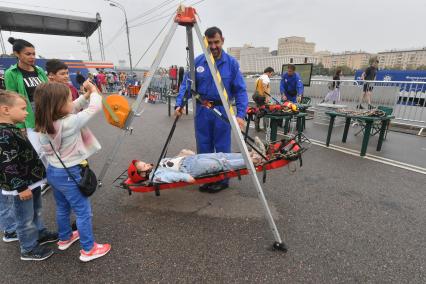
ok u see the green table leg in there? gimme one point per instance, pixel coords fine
(366, 137)
(299, 126)
(382, 134)
(345, 132)
(330, 129)
(286, 124)
(274, 128)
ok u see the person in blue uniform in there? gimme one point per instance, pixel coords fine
(291, 86)
(212, 133)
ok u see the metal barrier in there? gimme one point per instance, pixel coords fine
(408, 99)
(160, 87)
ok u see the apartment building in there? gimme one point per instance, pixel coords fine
(354, 60)
(295, 45)
(404, 59)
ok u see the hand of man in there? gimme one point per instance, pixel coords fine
(178, 111)
(241, 123)
(26, 194)
(284, 98)
(299, 99)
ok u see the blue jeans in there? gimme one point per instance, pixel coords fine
(29, 224)
(68, 197)
(203, 164)
(7, 218)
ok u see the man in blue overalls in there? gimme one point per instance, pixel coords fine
(291, 86)
(212, 133)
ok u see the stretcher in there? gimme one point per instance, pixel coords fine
(280, 156)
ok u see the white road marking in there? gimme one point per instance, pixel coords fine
(378, 159)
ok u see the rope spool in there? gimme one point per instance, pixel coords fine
(116, 109)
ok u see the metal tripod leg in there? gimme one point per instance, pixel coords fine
(139, 100)
(239, 138)
(191, 63)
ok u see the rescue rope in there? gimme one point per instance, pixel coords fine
(371, 113)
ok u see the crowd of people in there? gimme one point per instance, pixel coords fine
(108, 81)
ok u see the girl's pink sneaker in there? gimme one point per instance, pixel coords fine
(97, 251)
(63, 245)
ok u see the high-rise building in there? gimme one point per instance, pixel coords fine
(277, 62)
(352, 59)
(295, 45)
(404, 59)
(236, 51)
(249, 56)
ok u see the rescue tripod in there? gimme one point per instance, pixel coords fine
(186, 16)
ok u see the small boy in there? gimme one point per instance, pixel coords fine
(57, 71)
(22, 174)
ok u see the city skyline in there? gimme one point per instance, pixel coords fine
(297, 50)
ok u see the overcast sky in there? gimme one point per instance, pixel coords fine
(334, 25)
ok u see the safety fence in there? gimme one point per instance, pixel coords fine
(407, 99)
(160, 88)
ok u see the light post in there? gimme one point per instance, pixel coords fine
(118, 5)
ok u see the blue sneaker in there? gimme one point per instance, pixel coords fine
(37, 254)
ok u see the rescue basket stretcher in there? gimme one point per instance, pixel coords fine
(293, 153)
(147, 187)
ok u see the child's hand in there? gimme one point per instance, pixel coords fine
(191, 179)
(26, 194)
(89, 86)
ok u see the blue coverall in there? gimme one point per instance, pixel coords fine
(212, 134)
(291, 86)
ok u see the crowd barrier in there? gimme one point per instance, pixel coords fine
(408, 99)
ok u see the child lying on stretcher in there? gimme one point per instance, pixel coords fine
(187, 165)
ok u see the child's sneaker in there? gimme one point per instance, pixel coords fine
(45, 188)
(97, 251)
(10, 237)
(48, 237)
(38, 253)
(63, 245)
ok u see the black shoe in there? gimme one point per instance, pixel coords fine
(10, 237)
(74, 226)
(45, 188)
(216, 187)
(360, 106)
(38, 253)
(204, 187)
(48, 237)
(371, 107)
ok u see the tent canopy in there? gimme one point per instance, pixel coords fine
(26, 21)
